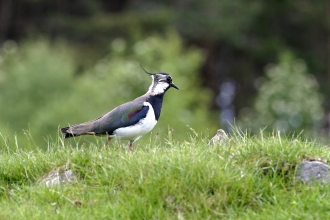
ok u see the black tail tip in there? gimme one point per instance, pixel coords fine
(65, 131)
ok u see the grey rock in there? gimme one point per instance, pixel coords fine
(57, 177)
(313, 171)
(220, 138)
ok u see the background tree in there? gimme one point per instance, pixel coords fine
(288, 100)
(48, 94)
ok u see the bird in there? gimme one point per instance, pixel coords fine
(220, 138)
(130, 120)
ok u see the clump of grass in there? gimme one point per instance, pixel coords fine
(247, 177)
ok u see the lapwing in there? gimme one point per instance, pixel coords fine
(130, 120)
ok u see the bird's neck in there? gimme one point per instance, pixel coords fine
(156, 102)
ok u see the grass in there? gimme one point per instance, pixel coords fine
(246, 178)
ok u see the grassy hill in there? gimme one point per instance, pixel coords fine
(246, 178)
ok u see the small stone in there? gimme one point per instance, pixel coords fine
(57, 177)
(220, 138)
(313, 171)
(77, 203)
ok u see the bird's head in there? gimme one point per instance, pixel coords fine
(161, 82)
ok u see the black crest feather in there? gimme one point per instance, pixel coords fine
(146, 71)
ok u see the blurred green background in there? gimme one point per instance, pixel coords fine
(257, 64)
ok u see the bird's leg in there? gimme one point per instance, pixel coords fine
(107, 142)
(131, 145)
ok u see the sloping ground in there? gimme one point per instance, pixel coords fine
(247, 177)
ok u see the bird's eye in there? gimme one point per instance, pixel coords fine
(169, 79)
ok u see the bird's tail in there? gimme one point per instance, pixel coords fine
(79, 129)
(66, 132)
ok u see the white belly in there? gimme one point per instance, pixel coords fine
(136, 131)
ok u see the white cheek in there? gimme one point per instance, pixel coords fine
(160, 88)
